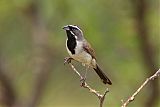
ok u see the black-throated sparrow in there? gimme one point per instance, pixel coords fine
(80, 50)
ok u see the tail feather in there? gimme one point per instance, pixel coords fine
(102, 75)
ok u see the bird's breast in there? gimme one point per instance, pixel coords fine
(81, 55)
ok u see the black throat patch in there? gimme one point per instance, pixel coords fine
(71, 42)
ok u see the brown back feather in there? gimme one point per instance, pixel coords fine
(87, 47)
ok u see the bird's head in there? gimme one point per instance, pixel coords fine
(74, 31)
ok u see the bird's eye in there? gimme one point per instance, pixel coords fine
(72, 28)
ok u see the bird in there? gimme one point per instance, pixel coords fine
(80, 50)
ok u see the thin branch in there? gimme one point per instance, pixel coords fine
(101, 97)
(130, 99)
(146, 47)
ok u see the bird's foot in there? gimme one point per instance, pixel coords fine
(83, 81)
(67, 60)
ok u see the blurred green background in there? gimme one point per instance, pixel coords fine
(124, 33)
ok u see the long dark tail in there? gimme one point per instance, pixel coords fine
(102, 75)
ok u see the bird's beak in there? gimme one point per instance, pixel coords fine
(66, 27)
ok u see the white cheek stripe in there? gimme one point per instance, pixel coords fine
(74, 35)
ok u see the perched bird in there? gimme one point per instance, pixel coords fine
(80, 50)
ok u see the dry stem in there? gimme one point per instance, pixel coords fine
(130, 99)
(101, 97)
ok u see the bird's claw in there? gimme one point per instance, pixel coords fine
(83, 81)
(67, 60)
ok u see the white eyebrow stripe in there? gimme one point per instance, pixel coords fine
(76, 27)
